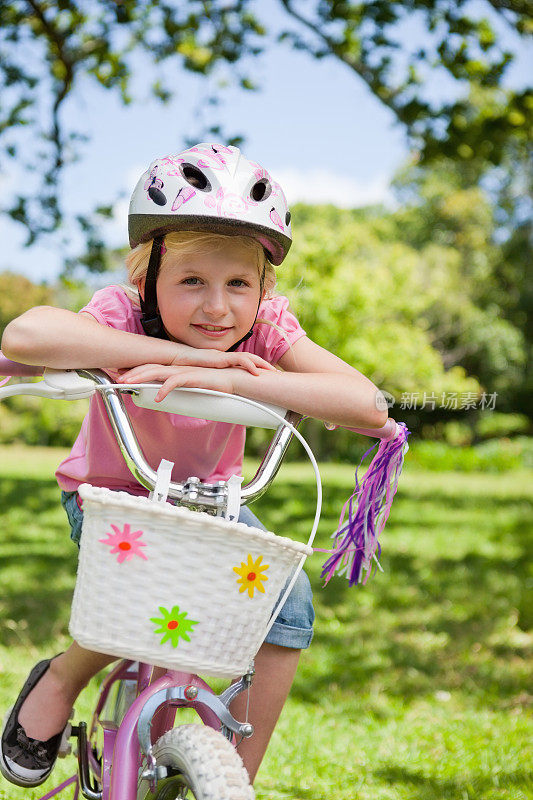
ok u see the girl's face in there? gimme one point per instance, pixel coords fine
(208, 300)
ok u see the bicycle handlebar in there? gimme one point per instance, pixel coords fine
(199, 403)
(77, 384)
(171, 402)
(17, 370)
(195, 493)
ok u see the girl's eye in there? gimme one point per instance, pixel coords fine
(238, 282)
(191, 281)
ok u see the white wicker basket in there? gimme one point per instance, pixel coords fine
(177, 588)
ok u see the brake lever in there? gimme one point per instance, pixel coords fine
(56, 384)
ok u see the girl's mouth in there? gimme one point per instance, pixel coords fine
(213, 331)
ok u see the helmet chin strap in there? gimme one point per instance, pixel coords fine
(151, 318)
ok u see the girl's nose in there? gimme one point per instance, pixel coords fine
(215, 303)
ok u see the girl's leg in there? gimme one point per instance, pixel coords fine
(46, 710)
(275, 668)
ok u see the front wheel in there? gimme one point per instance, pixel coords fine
(202, 764)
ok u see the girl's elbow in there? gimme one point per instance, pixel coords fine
(9, 342)
(21, 334)
(382, 417)
(374, 418)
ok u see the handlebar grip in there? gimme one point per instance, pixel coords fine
(386, 433)
(208, 404)
(17, 370)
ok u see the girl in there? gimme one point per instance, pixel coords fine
(206, 227)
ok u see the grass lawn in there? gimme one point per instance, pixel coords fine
(416, 686)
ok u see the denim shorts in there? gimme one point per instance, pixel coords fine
(294, 624)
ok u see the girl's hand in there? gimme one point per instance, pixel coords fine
(172, 377)
(196, 357)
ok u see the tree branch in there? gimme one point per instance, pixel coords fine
(359, 67)
(519, 7)
(62, 85)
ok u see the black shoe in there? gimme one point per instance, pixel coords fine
(25, 761)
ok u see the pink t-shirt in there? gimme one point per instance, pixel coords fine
(209, 450)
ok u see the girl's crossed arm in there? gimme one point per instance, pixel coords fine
(312, 381)
(55, 337)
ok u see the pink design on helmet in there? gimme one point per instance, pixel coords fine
(233, 205)
(276, 219)
(149, 181)
(182, 196)
(261, 174)
(172, 161)
(219, 162)
(277, 191)
(228, 204)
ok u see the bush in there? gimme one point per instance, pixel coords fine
(34, 421)
(493, 424)
(496, 455)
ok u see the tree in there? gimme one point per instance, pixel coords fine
(364, 294)
(481, 314)
(47, 48)
(18, 294)
(29, 419)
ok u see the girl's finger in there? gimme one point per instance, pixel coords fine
(168, 386)
(252, 363)
(132, 375)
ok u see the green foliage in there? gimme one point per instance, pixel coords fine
(453, 43)
(34, 421)
(104, 42)
(18, 294)
(98, 42)
(494, 424)
(479, 274)
(496, 455)
(369, 299)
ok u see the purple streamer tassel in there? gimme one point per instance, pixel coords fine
(356, 542)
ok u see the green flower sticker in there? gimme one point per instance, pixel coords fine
(174, 625)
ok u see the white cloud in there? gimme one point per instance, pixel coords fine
(324, 186)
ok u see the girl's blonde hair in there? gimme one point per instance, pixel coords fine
(180, 244)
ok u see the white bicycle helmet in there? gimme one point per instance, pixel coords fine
(211, 187)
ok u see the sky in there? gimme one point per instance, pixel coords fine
(314, 125)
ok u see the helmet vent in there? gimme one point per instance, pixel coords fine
(261, 190)
(195, 177)
(155, 194)
(287, 218)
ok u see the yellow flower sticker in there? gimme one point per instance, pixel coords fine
(250, 575)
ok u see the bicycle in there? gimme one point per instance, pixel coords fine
(132, 750)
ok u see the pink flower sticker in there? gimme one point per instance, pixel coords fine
(125, 542)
